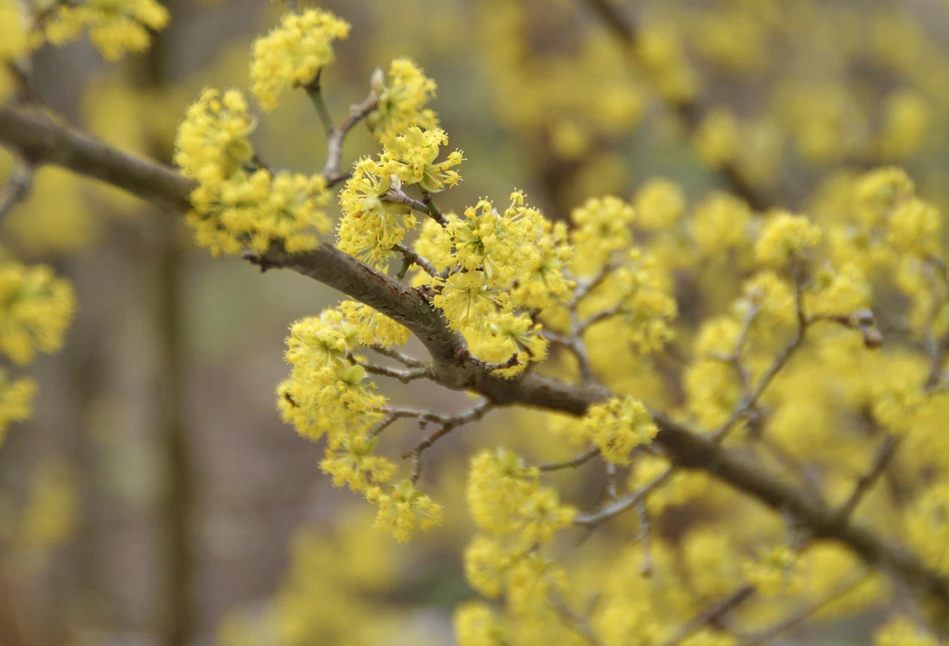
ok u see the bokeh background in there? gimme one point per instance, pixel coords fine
(156, 497)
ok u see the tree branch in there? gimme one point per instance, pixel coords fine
(39, 138)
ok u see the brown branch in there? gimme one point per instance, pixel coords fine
(40, 138)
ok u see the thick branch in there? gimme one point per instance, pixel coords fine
(39, 138)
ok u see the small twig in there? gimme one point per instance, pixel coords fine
(883, 459)
(398, 197)
(491, 367)
(315, 91)
(750, 402)
(714, 614)
(448, 424)
(573, 621)
(401, 357)
(17, 188)
(610, 480)
(583, 458)
(335, 137)
(645, 527)
(615, 508)
(410, 258)
(598, 317)
(783, 626)
(405, 376)
(583, 289)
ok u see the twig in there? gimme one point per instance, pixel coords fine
(405, 376)
(713, 615)
(336, 136)
(750, 402)
(606, 512)
(646, 568)
(315, 91)
(783, 626)
(398, 197)
(583, 458)
(598, 317)
(401, 357)
(17, 188)
(584, 288)
(410, 258)
(884, 457)
(448, 424)
(573, 621)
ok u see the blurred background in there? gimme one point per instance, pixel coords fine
(157, 499)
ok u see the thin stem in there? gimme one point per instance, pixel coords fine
(714, 615)
(16, 189)
(882, 460)
(336, 136)
(398, 197)
(616, 508)
(410, 258)
(583, 458)
(315, 91)
(448, 424)
(783, 626)
(392, 353)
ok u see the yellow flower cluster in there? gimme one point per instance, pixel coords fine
(402, 101)
(115, 26)
(35, 311)
(373, 220)
(492, 267)
(516, 516)
(236, 204)
(785, 236)
(294, 53)
(902, 631)
(774, 572)
(659, 205)
(618, 426)
(327, 394)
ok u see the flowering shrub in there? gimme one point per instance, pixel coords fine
(795, 410)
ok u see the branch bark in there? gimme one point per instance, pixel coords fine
(42, 139)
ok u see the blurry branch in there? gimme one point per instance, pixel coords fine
(690, 111)
(583, 458)
(883, 459)
(715, 615)
(41, 139)
(16, 189)
(768, 634)
(750, 401)
(628, 502)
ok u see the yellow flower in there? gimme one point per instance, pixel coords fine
(784, 236)
(115, 26)
(402, 101)
(294, 53)
(477, 625)
(402, 509)
(35, 310)
(617, 426)
(659, 204)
